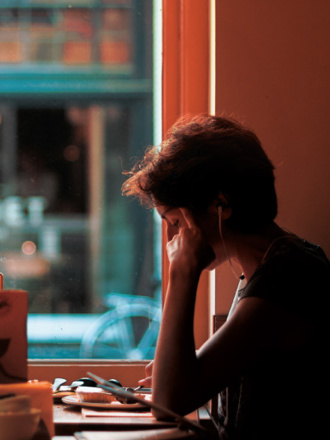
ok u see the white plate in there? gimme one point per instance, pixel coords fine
(74, 400)
(60, 394)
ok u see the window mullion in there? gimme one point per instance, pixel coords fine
(186, 84)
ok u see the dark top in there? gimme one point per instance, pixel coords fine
(284, 396)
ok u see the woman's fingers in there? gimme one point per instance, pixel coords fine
(148, 368)
(196, 243)
(146, 382)
(188, 217)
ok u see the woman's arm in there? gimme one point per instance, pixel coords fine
(257, 326)
(183, 380)
(175, 367)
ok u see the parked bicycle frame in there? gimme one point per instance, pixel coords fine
(128, 330)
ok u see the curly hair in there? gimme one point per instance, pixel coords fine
(200, 157)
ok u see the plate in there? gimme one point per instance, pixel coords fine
(74, 400)
(59, 394)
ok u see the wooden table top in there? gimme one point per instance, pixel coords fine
(70, 419)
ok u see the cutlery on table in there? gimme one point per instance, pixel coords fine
(58, 386)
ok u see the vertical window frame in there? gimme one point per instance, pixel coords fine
(186, 90)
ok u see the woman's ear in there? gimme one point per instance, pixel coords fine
(221, 207)
(222, 200)
(224, 211)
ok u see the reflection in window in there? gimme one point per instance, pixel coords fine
(87, 256)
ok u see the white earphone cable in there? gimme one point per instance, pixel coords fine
(239, 277)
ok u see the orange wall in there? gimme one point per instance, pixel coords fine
(273, 73)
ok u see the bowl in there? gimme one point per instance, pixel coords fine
(19, 425)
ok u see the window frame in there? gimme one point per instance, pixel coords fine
(186, 88)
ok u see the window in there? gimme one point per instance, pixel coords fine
(104, 105)
(77, 106)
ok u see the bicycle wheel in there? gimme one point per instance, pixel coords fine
(126, 332)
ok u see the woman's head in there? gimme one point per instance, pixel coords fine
(204, 156)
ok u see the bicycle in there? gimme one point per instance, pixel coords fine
(129, 330)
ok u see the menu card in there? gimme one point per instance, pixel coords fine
(13, 336)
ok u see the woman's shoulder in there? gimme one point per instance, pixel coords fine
(294, 248)
(295, 258)
(295, 274)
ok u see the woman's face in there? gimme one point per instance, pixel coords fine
(207, 222)
(173, 218)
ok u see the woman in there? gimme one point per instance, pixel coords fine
(213, 185)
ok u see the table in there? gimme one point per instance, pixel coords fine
(69, 420)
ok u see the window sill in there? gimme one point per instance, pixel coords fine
(127, 372)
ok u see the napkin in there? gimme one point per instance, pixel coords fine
(87, 412)
(150, 434)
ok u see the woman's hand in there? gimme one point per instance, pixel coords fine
(188, 249)
(147, 381)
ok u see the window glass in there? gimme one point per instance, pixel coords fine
(74, 36)
(9, 37)
(40, 34)
(88, 257)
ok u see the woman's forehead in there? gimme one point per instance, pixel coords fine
(165, 210)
